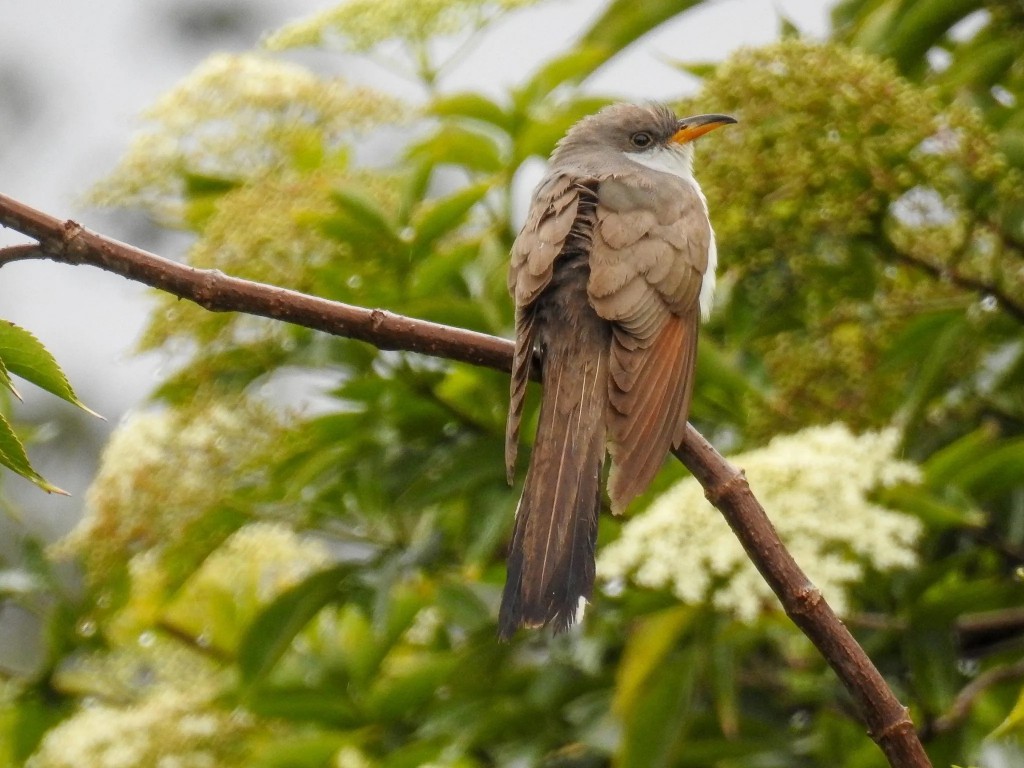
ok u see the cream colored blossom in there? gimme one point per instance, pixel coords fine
(362, 24)
(351, 757)
(816, 487)
(159, 730)
(269, 231)
(133, 668)
(162, 474)
(235, 118)
(255, 565)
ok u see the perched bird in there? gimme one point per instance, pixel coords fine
(610, 274)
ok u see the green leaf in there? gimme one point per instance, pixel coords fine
(725, 684)
(272, 631)
(313, 750)
(5, 380)
(23, 355)
(473, 149)
(787, 29)
(473, 106)
(701, 69)
(978, 463)
(995, 471)
(943, 336)
(410, 680)
(360, 222)
(648, 646)
(982, 65)
(436, 218)
(324, 704)
(625, 21)
(904, 31)
(943, 466)
(13, 456)
(361, 649)
(657, 722)
(571, 67)
(1014, 722)
(937, 514)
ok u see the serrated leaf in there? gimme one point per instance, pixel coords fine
(5, 380)
(25, 356)
(437, 218)
(471, 105)
(272, 631)
(13, 456)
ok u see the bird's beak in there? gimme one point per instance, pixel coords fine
(690, 128)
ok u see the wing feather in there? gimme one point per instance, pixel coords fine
(548, 226)
(648, 257)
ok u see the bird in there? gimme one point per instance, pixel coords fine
(611, 274)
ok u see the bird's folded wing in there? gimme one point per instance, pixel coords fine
(548, 225)
(648, 256)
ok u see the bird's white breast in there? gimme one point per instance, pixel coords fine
(678, 161)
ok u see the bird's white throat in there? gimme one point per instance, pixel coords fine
(677, 159)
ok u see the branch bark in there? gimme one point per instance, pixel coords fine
(725, 486)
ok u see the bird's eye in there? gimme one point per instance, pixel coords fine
(641, 139)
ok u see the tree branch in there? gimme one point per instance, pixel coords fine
(960, 709)
(1011, 305)
(68, 242)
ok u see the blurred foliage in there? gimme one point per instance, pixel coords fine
(319, 587)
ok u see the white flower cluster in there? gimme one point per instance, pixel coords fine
(815, 486)
(169, 729)
(362, 24)
(164, 470)
(259, 562)
(235, 117)
(255, 565)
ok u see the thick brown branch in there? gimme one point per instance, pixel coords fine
(725, 486)
(68, 242)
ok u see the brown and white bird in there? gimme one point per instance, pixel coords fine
(610, 274)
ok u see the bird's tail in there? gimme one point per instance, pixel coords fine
(551, 556)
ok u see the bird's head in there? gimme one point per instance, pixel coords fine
(650, 135)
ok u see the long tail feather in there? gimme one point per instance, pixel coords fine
(551, 557)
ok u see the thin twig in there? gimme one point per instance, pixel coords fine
(961, 706)
(66, 241)
(1010, 305)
